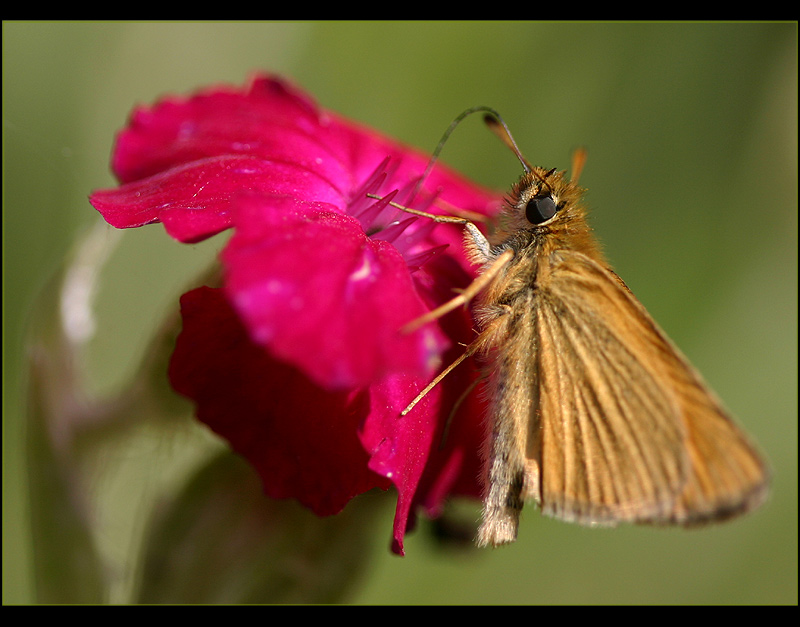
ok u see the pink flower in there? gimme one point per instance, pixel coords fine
(298, 360)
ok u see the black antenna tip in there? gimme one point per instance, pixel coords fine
(496, 124)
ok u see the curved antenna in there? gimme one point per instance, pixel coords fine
(494, 121)
(499, 128)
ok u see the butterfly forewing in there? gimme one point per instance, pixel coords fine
(627, 430)
(728, 475)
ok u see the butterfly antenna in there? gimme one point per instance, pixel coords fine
(493, 120)
(498, 126)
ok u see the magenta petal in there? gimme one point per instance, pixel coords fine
(269, 120)
(311, 286)
(400, 447)
(194, 200)
(300, 438)
(431, 452)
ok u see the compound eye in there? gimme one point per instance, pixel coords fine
(540, 209)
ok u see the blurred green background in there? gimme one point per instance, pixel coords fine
(691, 132)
